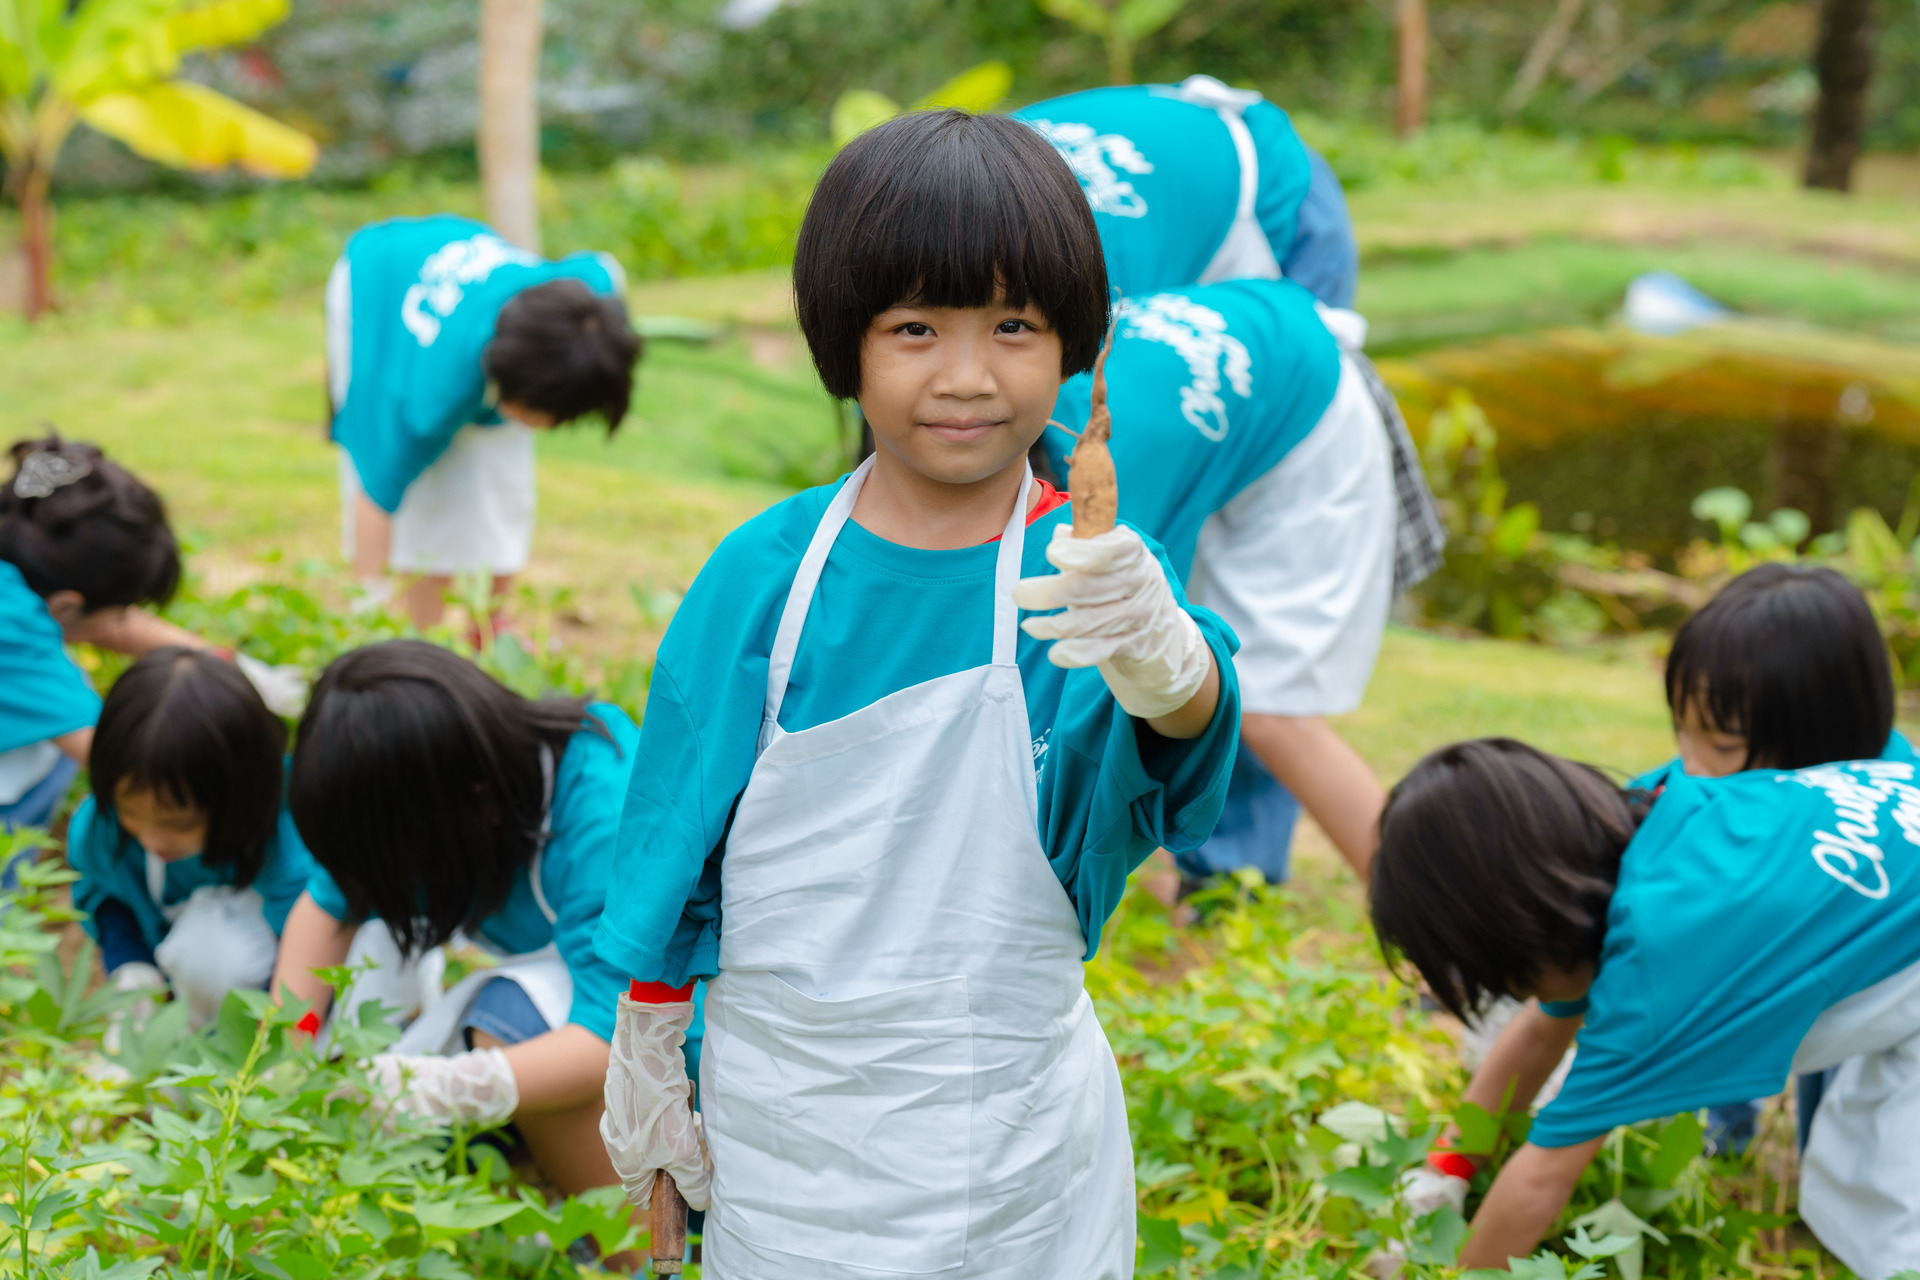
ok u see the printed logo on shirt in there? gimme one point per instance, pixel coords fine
(1094, 157)
(1850, 852)
(445, 275)
(1199, 336)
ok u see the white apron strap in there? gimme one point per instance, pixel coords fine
(1245, 253)
(786, 640)
(157, 886)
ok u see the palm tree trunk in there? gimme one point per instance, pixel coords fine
(34, 190)
(1843, 60)
(509, 139)
(1410, 103)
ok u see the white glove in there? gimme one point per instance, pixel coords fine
(133, 976)
(1424, 1189)
(476, 1087)
(649, 1124)
(283, 689)
(1120, 617)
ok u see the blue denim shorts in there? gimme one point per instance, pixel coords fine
(35, 809)
(505, 1011)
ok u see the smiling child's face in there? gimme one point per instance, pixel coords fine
(958, 394)
(169, 831)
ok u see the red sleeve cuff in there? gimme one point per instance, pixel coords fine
(309, 1023)
(659, 993)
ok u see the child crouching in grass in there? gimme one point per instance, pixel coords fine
(1705, 941)
(892, 824)
(188, 861)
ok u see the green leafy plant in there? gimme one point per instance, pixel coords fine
(1120, 25)
(980, 88)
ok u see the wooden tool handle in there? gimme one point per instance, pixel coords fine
(1095, 491)
(667, 1222)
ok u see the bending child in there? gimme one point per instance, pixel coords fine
(889, 822)
(441, 803)
(447, 347)
(1783, 669)
(188, 860)
(1704, 941)
(83, 546)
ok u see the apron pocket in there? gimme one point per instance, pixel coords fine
(840, 1128)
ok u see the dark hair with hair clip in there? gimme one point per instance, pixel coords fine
(73, 520)
(1495, 861)
(184, 725)
(417, 784)
(946, 209)
(565, 350)
(1789, 657)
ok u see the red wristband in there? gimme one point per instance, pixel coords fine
(1452, 1163)
(659, 993)
(309, 1023)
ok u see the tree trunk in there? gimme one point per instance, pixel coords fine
(1410, 103)
(35, 189)
(509, 140)
(1843, 60)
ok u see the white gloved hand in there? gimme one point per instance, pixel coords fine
(476, 1087)
(1120, 617)
(1424, 1189)
(649, 1124)
(133, 976)
(283, 689)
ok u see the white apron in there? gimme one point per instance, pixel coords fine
(1246, 253)
(1860, 1176)
(903, 1074)
(218, 940)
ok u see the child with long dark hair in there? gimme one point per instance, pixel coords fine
(1704, 940)
(188, 861)
(441, 803)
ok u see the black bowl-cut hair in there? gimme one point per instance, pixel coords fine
(186, 726)
(417, 785)
(1789, 657)
(565, 350)
(100, 532)
(1495, 861)
(946, 209)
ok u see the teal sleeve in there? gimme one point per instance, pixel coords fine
(326, 894)
(88, 853)
(1112, 790)
(288, 873)
(577, 865)
(696, 750)
(42, 693)
(1564, 1008)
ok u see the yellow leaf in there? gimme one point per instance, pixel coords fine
(287, 1169)
(189, 126)
(857, 111)
(223, 22)
(978, 88)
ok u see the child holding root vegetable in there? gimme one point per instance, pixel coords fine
(889, 822)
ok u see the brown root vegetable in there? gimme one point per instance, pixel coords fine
(1090, 480)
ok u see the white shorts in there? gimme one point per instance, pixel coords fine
(1300, 564)
(471, 510)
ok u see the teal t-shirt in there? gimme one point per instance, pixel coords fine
(1746, 906)
(1163, 177)
(42, 693)
(576, 872)
(426, 293)
(113, 866)
(884, 617)
(1210, 386)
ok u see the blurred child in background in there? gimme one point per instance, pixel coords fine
(188, 861)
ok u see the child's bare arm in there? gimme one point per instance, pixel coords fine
(1522, 1059)
(1192, 720)
(1526, 1198)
